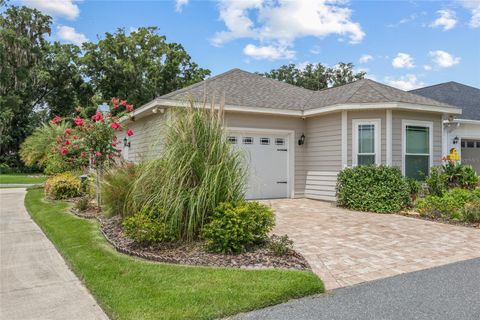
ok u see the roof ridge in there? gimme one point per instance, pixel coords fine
(433, 85)
(381, 93)
(354, 92)
(203, 82)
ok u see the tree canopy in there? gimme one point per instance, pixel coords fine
(138, 66)
(41, 79)
(315, 76)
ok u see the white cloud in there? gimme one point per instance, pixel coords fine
(315, 50)
(427, 67)
(179, 4)
(447, 19)
(68, 34)
(403, 60)
(268, 52)
(474, 7)
(365, 58)
(61, 8)
(444, 59)
(408, 19)
(280, 23)
(407, 82)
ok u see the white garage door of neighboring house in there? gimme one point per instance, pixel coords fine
(471, 153)
(268, 158)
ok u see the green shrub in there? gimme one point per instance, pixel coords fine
(471, 211)
(234, 227)
(145, 227)
(116, 185)
(62, 186)
(437, 181)
(82, 204)
(413, 186)
(460, 175)
(379, 189)
(451, 205)
(197, 170)
(280, 245)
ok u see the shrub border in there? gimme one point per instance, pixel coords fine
(156, 258)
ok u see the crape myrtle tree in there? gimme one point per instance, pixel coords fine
(92, 140)
(315, 76)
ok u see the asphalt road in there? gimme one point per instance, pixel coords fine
(449, 292)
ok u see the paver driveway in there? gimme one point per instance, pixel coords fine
(347, 247)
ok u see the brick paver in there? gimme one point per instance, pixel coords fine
(347, 247)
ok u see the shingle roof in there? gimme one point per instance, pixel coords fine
(456, 94)
(243, 88)
(247, 89)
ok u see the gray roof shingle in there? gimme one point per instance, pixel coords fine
(243, 88)
(462, 96)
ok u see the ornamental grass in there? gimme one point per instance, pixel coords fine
(197, 169)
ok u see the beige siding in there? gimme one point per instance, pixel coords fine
(324, 155)
(147, 138)
(398, 116)
(367, 114)
(244, 120)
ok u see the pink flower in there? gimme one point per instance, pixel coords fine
(129, 107)
(67, 142)
(63, 150)
(98, 154)
(97, 116)
(56, 120)
(123, 102)
(115, 125)
(78, 121)
(129, 132)
(67, 131)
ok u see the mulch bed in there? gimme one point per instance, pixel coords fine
(193, 253)
(416, 215)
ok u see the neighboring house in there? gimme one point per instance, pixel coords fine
(461, 132)
(297, 140)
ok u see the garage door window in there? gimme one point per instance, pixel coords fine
(279, 141)
(232, 140)
(247, 140)
(265, 141)
(417, 149)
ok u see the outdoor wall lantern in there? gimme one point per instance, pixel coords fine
(455, 140)
(126, 143)
(301, 141)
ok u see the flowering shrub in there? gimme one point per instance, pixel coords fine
(92, 140)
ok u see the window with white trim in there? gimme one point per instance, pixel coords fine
(366, 142)
(232, 140)
(417, 149)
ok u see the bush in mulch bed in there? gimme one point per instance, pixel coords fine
(195, 253)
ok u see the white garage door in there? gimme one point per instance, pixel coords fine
(471, 153)
(267, 156)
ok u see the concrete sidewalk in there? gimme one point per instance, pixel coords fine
(35, 281)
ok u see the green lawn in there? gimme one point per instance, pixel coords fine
(130, 288)
(21, 178)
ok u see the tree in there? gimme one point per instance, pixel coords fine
(138, 66)
(22, 51)
(315, 77)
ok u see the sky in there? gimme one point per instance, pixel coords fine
(406, 44)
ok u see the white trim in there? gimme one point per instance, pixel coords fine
(444, 138)
(377, 123)
(291, 150)
(469, 121)
(428, 124)
(344, 139)
(389, 140)
(299, 113)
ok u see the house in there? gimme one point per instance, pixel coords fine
(297, 140)
(461, 132)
